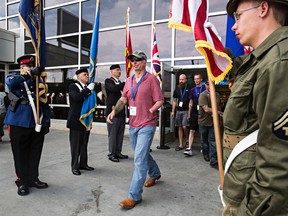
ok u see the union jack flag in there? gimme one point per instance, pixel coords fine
(156, 64)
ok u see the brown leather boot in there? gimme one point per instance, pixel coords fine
(129, 203)
(151, 181)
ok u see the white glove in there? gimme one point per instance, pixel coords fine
(91, 86)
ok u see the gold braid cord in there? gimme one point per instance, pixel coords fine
(43, 88)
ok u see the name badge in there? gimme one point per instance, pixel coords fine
(180, 103)
(132, 110)
(198, 107)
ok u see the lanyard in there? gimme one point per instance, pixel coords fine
(137, 86)
(182, 93)
(198, 93)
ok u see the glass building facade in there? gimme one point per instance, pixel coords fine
(69, 25)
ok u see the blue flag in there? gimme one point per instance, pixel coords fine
(32, 17)
(231, 41)
(90, 103)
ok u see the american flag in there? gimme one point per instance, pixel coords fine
(156, 64)
(206, 37)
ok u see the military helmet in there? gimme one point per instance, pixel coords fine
(232, 5)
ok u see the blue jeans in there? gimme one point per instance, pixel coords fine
(208, 143)
(141, 140)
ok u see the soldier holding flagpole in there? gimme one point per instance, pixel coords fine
(28, 114)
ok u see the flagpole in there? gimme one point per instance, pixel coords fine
(217, 131)
(128, 48)
(37, 90)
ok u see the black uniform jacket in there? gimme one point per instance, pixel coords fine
(113, 90)
(76, 99)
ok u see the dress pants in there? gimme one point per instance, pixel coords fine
(78, 144)
(116, 135)
(27, 147)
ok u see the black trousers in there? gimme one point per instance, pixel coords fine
(27, 145)
(116, 135)
(78, 144)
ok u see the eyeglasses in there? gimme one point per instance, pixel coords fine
(239, 13)
(136, 59)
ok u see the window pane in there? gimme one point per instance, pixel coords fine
(162, 9)
(220, 24)
(62, 51)
(164, 38)
(62, 20)
(88, 15)
(141, 39)
(185, 44)
(13, 9)
(2, 11)
(217, 5)
(13, 23)
(113, 12)
(2, 24)
(49, 3)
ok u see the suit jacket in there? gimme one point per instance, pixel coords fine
(76, 99)
(113, 90)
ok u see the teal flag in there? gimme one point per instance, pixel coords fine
(90, 103)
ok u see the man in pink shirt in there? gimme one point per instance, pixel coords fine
(143, 94)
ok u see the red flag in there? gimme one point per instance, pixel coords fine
(156, 64)
(206, 38)
(128, 49)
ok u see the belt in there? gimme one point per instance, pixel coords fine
(24, 102)
(230, 141)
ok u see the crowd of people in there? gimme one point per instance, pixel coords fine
(256, 180)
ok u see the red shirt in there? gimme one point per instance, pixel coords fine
(149, 92)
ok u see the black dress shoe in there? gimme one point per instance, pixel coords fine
(121, 156)
(76, 172)
(114, 159)
(23, 190)
(38, 184)
(86, 168)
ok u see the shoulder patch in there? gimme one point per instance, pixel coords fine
(11, 77)
(280, 126)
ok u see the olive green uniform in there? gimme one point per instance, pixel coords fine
(257, 181)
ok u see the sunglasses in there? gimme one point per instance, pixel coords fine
(136, 59)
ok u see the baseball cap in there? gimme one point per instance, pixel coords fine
(138, 54)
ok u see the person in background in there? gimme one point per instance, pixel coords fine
(206, 127)
(256, 181)
(78, 134)
(143, 94)
(3, 109)
(114, 87)
(193, 110)
(180, 105)
(26, 142)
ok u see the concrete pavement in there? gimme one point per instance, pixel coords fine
(188, 185)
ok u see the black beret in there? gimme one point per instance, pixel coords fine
(81, 70)
(114, 66)
(26, 59)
